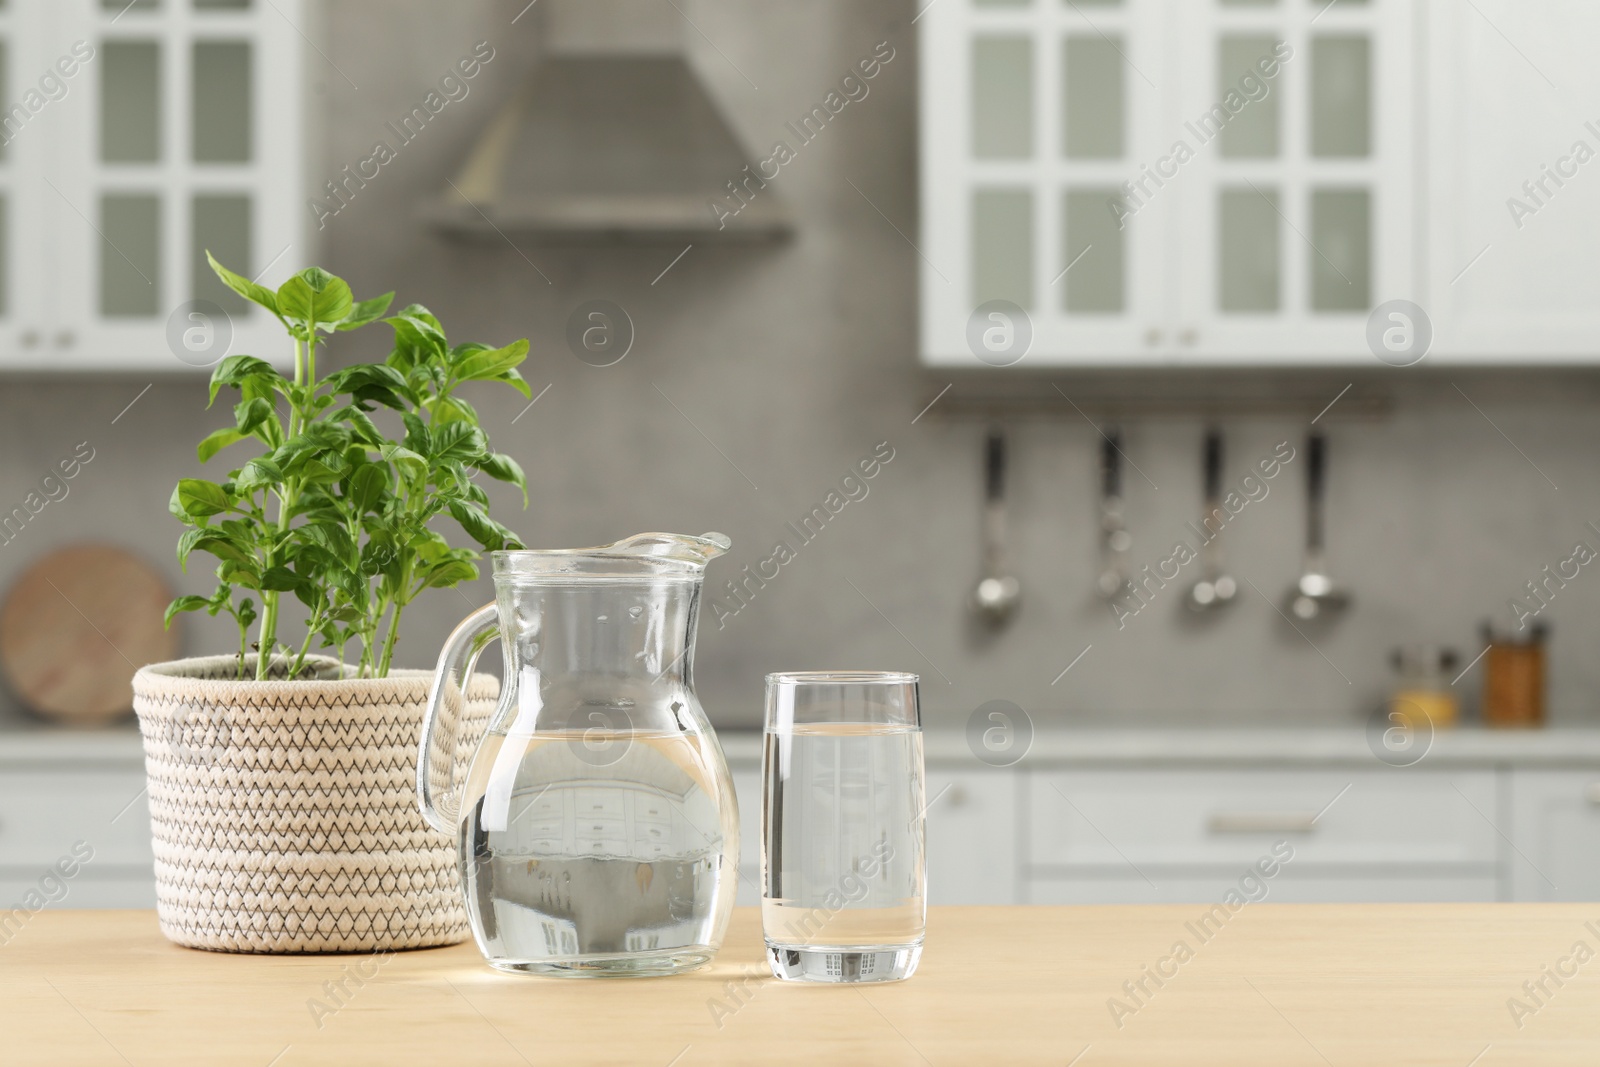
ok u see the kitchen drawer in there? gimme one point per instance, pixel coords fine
(42, 813)
(1286, 888)
(1121, 819)
(124, 887)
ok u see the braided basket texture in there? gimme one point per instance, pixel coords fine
(284, 813)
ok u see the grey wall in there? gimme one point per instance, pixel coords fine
(783, 365)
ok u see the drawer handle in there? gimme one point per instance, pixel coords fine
(1593, 792)
(1263, 822)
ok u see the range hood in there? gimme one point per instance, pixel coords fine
(613, 137)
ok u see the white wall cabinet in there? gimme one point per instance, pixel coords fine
(1210, 182)
(139, 134)
(1513, 156)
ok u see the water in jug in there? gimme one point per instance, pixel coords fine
(596, 822)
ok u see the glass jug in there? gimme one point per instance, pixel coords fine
(597, 826)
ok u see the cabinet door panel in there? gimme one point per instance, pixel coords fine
(1555, 835)
(178, 138)
(1033, 118)
(34, 93)
(1298, 200)
(972, 834)
(1515, 181)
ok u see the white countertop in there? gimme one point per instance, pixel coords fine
(1232, 744)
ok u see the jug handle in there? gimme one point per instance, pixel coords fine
(436, 752)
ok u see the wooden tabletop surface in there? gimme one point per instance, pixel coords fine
(1283, 985)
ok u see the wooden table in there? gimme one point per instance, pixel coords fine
(1278, 984)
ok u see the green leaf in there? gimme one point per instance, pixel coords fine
(315, 295)
(236, 370)
(243, 572)
(449, 573)
(258, 418)
(403, 458)
(451, 409)
(460, 441)
(425, 318)
(364, 376)
(492, 363)
(503, 468)
(187, 542)
(215, 442)
(200, 498)
(362, 428)
(366, 311)
(481, 528)
(259, 473)
(184, 603)
(317, 278)
(311, 592)
(335, 540)
(516, 381)
(258, 294)
(467, 348)
(280, 580)
(418, 340)
(209, 540)
(368, 486)
(296, 299)
(324, 468)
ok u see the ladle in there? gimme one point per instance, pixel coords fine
(1216, 587)
(995, 598)
(1316, 595)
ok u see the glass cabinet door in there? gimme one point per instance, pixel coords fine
(31, 89)
(1299, 214)
(176, 144)
(1035, 112)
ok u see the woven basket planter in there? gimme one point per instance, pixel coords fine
(284, 813)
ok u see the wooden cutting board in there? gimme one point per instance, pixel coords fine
(76, 625)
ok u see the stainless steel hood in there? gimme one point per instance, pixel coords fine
(614, 137)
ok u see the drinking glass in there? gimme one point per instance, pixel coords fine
(843, 873)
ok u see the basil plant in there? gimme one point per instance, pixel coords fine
(335, 510)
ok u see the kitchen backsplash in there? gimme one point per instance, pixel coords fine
(762, 377)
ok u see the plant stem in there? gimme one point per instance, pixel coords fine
(394, 620)
(269, 632)
(244, 642)
(286, 502)
(311, 631)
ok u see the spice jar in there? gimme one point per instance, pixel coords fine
(1513, 678)
(1422, 698)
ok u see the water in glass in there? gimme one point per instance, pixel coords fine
(842, 855)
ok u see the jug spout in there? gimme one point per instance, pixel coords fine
(702, 549)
